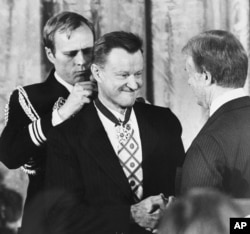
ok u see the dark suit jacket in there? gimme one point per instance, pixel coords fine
(219, 156)
(16, 145)
(84, 167)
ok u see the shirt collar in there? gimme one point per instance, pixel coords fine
(226, 97)
(68, 86)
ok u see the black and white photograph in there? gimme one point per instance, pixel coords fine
(124, 116)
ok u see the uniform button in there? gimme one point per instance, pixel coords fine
(132, 146)
(132, 164)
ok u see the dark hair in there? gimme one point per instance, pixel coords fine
(63, 22)
(200, 211)
(118, 39)
(220, 53)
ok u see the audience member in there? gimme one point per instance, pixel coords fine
(200, 211)
(10, 210)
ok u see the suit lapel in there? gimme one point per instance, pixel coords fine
(102, 151)
(148, 135)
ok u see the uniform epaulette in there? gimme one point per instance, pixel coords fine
(26, 104)
(6, 111)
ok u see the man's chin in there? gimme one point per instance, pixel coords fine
(128, 104)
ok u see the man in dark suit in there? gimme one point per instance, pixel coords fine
(219, 156)
(33, 110)
(113, 164)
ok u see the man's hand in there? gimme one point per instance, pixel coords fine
(148, 212)
(81, 94)
(170, 200)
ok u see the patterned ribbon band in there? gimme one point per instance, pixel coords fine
(110, 116)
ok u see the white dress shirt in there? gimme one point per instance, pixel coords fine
(226, 97)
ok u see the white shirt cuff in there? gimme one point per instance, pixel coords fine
(56, 119)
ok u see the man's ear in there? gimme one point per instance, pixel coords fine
(208, 77)
(50, 55)
(96, 72)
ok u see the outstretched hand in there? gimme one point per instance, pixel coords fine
(148, 212)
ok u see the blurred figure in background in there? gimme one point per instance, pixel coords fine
(35, 109)
(217, 66)
(10, 210)
(200, 211)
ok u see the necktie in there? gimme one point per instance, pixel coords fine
(127, 150)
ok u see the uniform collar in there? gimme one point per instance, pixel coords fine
(68, 86)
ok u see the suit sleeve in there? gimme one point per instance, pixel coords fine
(177, 141)
(24, 134)
(66, 206)
(203, 165)
(178, 151)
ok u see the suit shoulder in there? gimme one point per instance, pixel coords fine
(156, 111)
(27, 89)
(38, 89)
(162, 116)
(26, 93)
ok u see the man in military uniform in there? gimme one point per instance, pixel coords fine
(33, 110)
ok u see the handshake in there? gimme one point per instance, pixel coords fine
(147, 213)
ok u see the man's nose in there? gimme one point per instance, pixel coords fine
(80, 58)
(133, 82)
